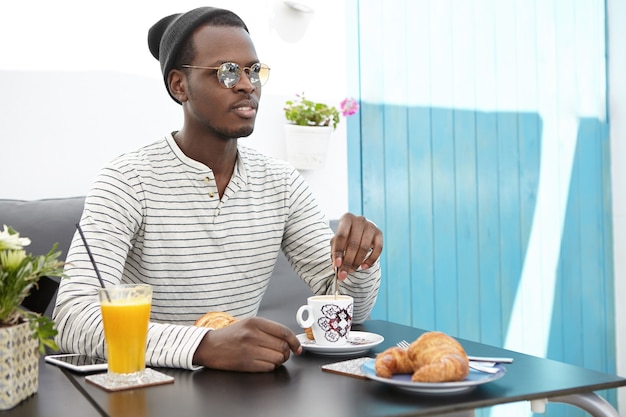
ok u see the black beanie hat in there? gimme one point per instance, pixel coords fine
(166, 37)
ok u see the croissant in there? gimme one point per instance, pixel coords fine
(438, 357)
(433, 357)
(309, 333)
(215, 320)
(393, 361)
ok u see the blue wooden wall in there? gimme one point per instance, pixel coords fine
(482, 151)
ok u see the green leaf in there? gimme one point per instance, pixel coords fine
(303, 112)
(19, 274)
(43, 329)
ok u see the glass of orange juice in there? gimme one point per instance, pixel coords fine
(125, 314)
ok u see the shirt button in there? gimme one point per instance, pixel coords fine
(211, 195)
(207, 180)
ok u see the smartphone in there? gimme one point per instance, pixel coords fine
(78, 363)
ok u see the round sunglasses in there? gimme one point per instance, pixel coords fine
(229, 73)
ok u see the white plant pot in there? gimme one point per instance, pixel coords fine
(19, 365)
(307, 146)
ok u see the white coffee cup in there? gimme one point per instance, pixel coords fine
(330, 318)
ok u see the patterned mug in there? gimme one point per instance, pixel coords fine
(329, 317)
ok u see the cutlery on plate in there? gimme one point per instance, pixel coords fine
(475, 361)
(404, 345)
(481, 368)
(489, 359)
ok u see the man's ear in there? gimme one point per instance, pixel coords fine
(177, 84)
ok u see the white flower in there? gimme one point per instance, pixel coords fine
(10, 260)
(10, 239)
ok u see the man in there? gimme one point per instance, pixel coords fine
(202, 219)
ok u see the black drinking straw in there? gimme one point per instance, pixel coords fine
(93, 261)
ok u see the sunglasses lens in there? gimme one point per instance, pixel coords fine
(261, 73)
(228, 74)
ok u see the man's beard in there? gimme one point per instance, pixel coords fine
(230, 133)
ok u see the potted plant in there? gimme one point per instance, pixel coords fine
(309, 127)
(23, 334)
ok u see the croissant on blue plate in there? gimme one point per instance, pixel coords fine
(433, 357)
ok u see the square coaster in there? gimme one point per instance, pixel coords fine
(351, 367)
(150, 378)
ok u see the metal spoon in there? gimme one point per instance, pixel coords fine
(336, 282)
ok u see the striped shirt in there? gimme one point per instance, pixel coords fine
(154, 216)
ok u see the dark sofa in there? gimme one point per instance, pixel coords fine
(51, 221)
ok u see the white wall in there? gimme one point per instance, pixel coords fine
(80, 87)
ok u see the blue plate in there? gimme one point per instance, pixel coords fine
(403, 381)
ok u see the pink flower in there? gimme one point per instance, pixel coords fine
(349, 106)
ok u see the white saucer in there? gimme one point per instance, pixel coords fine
(403, 381)
(358, 342)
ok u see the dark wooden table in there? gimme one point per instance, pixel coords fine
(301, 388)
